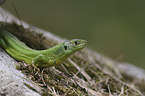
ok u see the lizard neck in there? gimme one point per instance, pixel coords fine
(59, 53)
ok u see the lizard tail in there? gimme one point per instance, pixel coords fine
(2, 35)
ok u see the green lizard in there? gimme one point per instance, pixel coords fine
(39, 58)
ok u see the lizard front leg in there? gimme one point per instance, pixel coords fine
(43, 61)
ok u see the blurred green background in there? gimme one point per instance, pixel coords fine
(115, 28)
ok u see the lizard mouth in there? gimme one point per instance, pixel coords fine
(82, 44)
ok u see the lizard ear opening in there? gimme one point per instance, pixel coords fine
(76, 43)
(65, 47)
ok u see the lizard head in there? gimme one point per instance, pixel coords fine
(74, 45)
(62, 51)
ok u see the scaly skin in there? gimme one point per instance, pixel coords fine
(39, 58)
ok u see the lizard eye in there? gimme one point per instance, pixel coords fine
(76, 43)
(65, 47)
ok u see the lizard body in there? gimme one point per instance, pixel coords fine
(39, 58)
